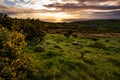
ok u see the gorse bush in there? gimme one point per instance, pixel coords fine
(13, 64)
(17, 69)
(32, 29)
(11, 43)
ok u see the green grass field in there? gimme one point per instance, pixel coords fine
(61, 58)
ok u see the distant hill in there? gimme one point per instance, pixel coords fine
(112, 25)
(88, 26)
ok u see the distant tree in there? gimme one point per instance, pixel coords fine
(6, 16)
(6, 22)
(3, 15)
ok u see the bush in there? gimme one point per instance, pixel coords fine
(17, 69)
(68, 33)
(11, 43)
(34, 35)
(13, 64)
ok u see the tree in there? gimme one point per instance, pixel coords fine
(6, 16)
(3, 15)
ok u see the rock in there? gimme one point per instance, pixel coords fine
(75, 43)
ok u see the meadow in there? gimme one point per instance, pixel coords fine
(31, 49)
(76, 58)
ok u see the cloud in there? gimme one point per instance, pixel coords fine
(42, 14)
(85, 9)
(108, 15)
(76, 6)
(62, 10)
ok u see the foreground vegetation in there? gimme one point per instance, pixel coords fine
(58, 58)
(35, 50)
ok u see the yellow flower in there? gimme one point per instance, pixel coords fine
(7, 59)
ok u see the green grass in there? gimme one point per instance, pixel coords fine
(61, 60)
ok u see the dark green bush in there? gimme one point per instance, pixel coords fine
(68, 33)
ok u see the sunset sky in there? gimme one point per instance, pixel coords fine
(62, 10)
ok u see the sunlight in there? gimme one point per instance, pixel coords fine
(54, 17)
(59, 1)
(60, 16)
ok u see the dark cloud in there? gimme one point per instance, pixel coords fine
(108, 15)
(87, 4)
(89, 9)
(77, 6)
(95, 0)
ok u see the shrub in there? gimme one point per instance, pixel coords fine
(34, 35)
(17, 69)
(13, 64)
(11, 43)
(68, 33)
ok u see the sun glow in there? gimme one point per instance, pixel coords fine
(53, 17)
(59, 17)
